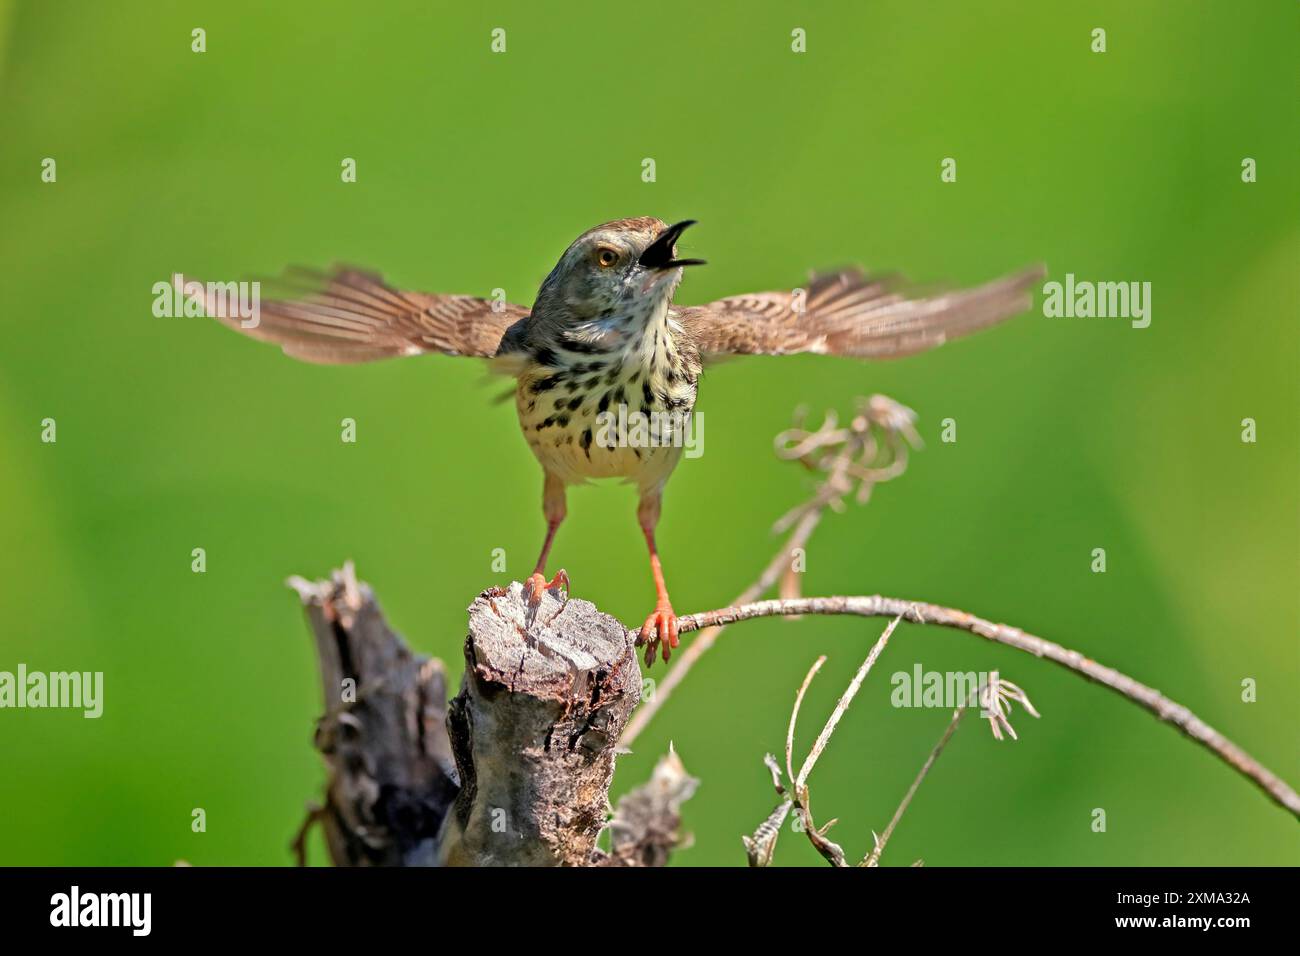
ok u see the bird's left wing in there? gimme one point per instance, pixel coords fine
(849, 313)
(348, 315)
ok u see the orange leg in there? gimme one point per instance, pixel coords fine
(553, 507)
(660, 629)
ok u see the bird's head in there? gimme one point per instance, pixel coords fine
(628, 266)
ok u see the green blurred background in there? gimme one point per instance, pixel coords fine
(474, 171)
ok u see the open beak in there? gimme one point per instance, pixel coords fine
(659, 254)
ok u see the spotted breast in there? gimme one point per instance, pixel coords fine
(610, 398)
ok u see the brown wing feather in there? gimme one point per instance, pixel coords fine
(848, 313)
(349, 315)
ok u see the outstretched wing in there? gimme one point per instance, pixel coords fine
(348, 315)
(848, 313)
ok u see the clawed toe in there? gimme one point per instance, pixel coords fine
(659, 632)
(537, 584)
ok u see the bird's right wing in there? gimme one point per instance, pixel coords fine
(849, 313)
(348, 315)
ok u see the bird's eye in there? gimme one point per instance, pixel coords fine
(606, 257)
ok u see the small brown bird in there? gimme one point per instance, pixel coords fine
(603, 345)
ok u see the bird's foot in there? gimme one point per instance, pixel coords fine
(659, 632)
(536, 585)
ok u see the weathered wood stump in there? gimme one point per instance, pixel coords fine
(515, 771)
(546, 693)
(383, 734)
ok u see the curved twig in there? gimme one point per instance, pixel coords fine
(1171, 712)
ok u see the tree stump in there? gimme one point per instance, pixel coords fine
(546, 693)
(515, 771)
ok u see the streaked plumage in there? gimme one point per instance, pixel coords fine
(605, 333)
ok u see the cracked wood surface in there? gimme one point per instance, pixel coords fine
(514, 771)
(547, 691)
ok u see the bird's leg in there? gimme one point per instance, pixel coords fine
(660, 629)
(554, 509)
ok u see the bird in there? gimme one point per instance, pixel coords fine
(604, 338)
